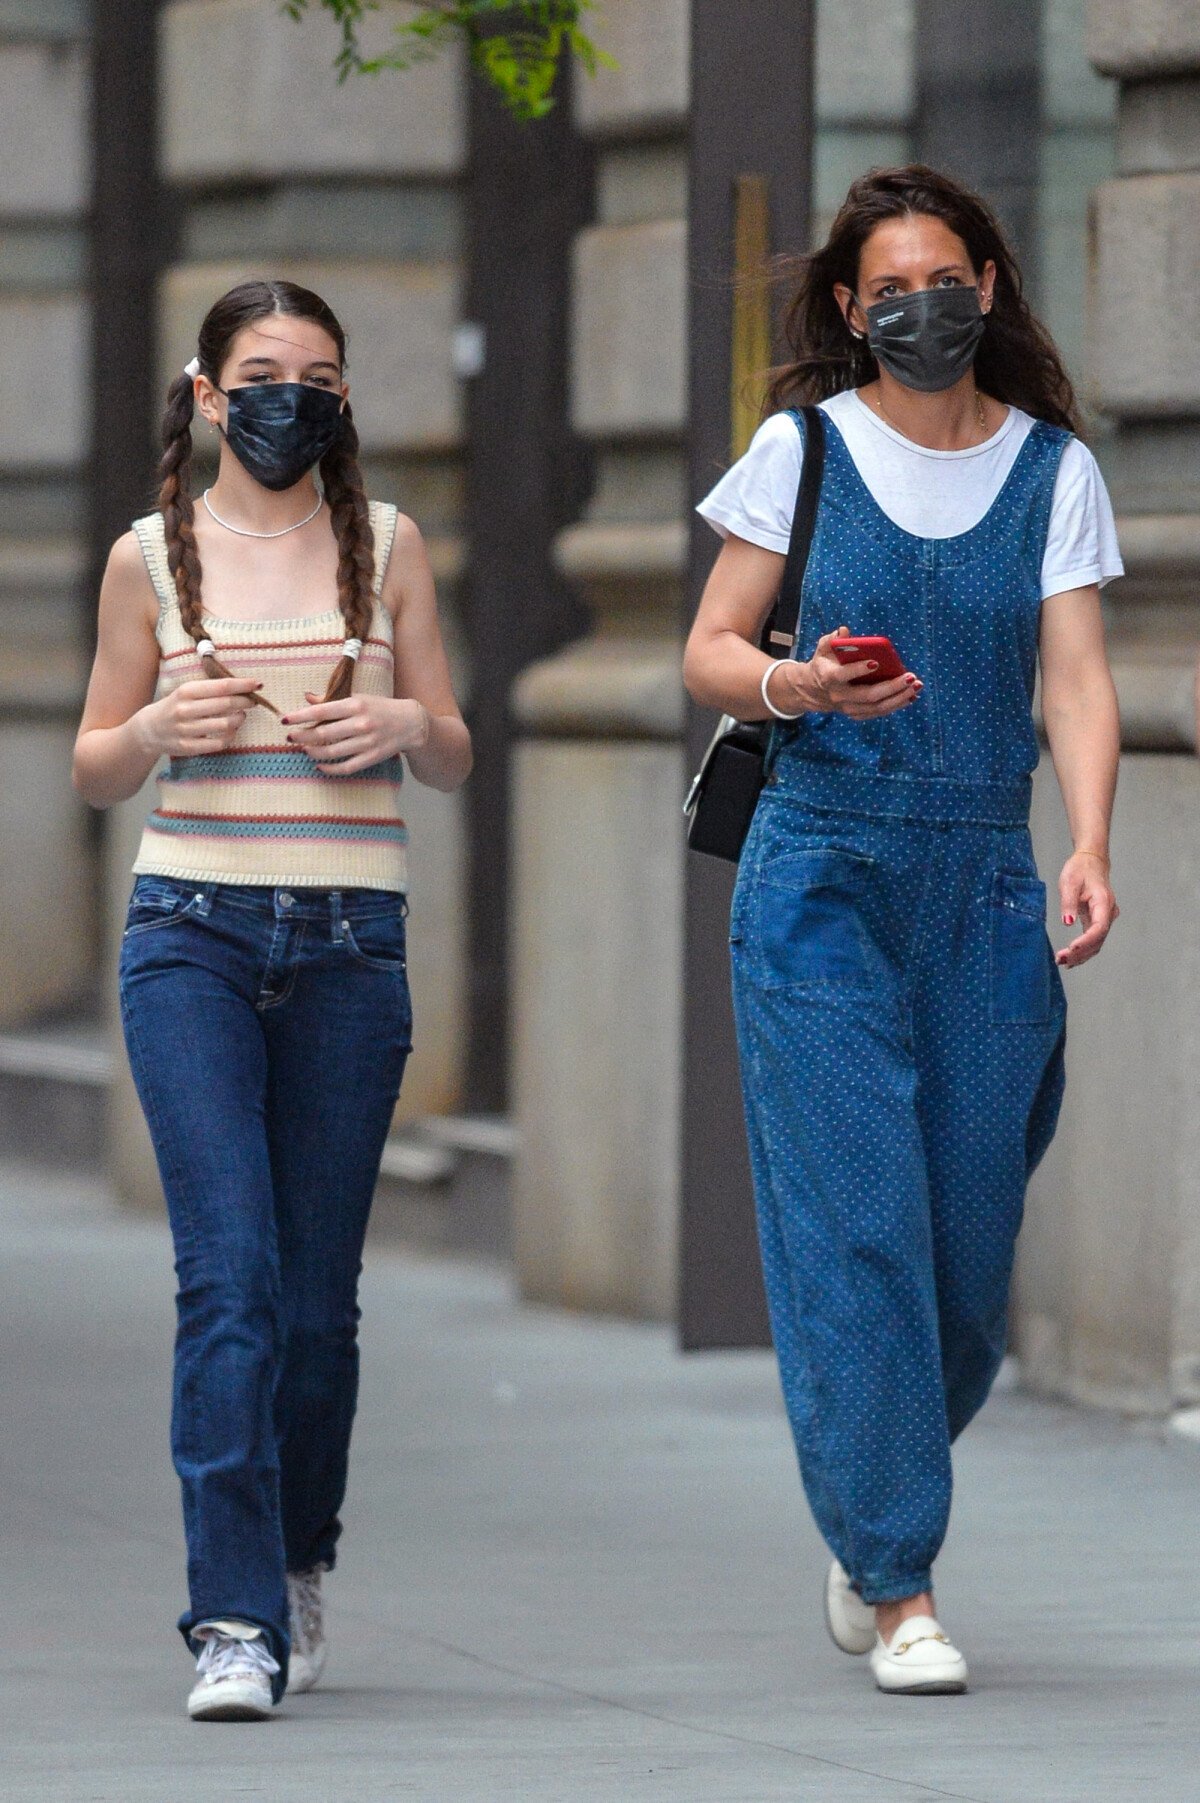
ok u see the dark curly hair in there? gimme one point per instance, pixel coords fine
(1017, 360)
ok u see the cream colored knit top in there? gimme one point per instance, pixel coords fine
(260, 811)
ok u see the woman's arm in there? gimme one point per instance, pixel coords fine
(422, 721)
(1079, 707)
(124, 731)
(723, 667)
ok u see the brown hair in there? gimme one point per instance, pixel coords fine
(341, 477)
(1017, 361)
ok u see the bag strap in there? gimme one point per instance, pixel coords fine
(783, 623)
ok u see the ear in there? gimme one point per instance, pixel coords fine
(987, 285)
(208, 402)
(852, 313)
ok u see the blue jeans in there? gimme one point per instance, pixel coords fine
(268, 1031)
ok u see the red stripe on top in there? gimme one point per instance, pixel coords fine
(283, 819)
(271, 645)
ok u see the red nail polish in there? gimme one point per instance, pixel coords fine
(1069, 920)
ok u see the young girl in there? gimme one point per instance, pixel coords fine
(278, 644)
(900, 1014)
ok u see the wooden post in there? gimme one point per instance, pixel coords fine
(752, 74)
(529, 192)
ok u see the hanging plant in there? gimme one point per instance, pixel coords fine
(520, 57)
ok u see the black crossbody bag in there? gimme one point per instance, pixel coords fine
(725, 792)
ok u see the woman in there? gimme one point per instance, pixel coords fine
(279, 645)
(900, 1014)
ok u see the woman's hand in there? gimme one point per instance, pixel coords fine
(1086, 895)
(196, 718)
(827, 686)
(344, 737)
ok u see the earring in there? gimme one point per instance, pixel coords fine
(855, 334)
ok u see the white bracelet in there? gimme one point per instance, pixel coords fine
(767, 702)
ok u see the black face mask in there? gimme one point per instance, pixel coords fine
(278, 431)
(927, 340)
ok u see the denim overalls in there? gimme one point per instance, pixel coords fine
(901, 1020)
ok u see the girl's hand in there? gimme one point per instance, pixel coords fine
(196, 718)
(831, 687)
(1086, 895)
(344, 737)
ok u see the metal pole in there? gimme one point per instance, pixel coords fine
(529, 192)
(751, 158)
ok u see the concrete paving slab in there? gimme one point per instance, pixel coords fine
(577, 1567)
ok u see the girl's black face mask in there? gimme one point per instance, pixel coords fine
(927, 340)
(278, 431)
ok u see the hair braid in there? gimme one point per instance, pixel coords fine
(175, 504)
(351, 521)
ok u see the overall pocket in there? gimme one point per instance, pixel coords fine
(1020, 951)
(811, 918)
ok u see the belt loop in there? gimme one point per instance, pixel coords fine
(204, 900)
(335, 915)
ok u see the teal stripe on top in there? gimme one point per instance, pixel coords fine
(374, 832)
(253, 766)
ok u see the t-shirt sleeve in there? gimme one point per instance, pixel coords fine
(1081, 545)
(756, 499)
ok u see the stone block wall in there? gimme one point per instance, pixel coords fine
(46, 873)
(1110, 1269)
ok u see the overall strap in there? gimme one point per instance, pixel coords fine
(783, 624)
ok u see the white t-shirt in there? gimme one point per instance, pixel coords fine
(935, 494)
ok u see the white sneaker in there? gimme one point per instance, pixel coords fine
(236, 1668)
(919, 1661)
(306, 1625)
(850, 1621)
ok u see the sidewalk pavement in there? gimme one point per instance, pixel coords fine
(576, 1567)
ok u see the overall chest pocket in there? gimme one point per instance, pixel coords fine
(811, 918)
(1019, 951)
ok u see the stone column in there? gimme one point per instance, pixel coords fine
(46, 873)
(1108, 1298)
(599, 780)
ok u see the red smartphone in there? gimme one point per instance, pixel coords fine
(879, 651)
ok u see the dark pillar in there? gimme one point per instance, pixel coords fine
(979, 105)
(530, 190)
(128, 249)
(751, 115)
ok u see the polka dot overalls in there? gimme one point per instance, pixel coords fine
(901, 1020)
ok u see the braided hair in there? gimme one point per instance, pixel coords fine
(341, 477)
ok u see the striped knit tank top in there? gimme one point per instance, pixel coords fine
(260, 811)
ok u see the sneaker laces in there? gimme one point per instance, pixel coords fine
(225, 1656)
(304, 1595)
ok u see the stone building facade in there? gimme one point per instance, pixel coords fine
(359, 191)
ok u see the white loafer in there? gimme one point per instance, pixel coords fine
(919, 1662)
(850, 1621)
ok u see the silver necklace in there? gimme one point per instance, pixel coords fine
(244, 532)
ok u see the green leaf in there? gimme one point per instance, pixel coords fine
(521, 64)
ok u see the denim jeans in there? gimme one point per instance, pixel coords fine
(268, 1031)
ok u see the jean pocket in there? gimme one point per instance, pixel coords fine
(156, 904)
(1020, 951)
(378, 940)
(811, 918)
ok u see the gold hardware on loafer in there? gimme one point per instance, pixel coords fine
(905, 1645)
